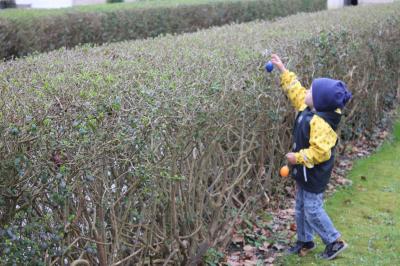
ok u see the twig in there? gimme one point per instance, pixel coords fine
(170, 257)
(127, 258)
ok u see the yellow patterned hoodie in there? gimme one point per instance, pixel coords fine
(314, 138)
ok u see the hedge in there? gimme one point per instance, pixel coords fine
(23, 32)
(146, 152)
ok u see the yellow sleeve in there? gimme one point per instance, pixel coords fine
(293, 89)
(322, 140)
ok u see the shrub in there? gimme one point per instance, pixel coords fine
(148, 151)
(26, 31)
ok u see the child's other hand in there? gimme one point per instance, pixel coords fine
(277, 62)
(291, 158)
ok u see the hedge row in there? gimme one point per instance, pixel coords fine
(24, 33)
(147, 151)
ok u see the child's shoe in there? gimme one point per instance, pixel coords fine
(301, 248)
(334, 249)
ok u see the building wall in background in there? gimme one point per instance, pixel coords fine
(44, 3)
(88, 2)
(332, 4)
(59, 3)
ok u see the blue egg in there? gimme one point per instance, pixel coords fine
(269, 66)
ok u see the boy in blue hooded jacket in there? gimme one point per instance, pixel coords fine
(312, 156)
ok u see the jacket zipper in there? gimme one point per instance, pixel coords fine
(305, 173)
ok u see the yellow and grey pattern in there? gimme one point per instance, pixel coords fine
(322, 137)
(293, 89)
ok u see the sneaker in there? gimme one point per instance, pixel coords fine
(334, 249)
(301, 248)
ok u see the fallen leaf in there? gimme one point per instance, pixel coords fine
(233, 259)
(278, 246)
(238, 239)
(249, 250)
(363, 178)
(265, 232)
(250, 262)
(383, 134)
(341, 180)
(290, 211)
(234, 263)
(269, 260)
(265, 246)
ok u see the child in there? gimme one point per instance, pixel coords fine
(313, 156)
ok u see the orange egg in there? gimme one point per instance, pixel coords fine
(284, 172)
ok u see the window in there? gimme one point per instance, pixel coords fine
(351, 2)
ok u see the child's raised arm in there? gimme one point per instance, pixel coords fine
(291, 86)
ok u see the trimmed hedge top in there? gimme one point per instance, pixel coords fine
(24, 13)
(26, 31)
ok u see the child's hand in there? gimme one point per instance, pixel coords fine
(291, 158)
(277, 62)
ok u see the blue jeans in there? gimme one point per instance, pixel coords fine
(311, 217)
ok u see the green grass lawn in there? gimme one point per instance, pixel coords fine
(367, 213)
